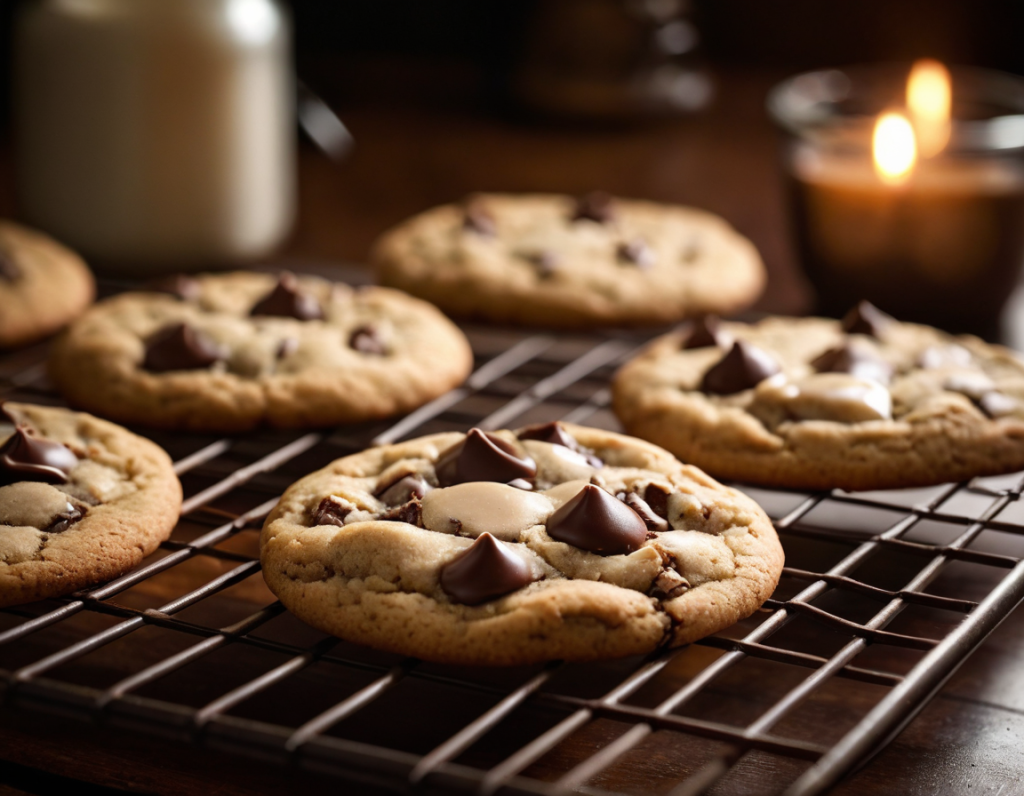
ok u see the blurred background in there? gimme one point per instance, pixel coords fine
(659, 99)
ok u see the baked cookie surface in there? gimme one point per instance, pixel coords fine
(502, 548)
(550, 260)
(230, 352)
(866, 403)
(81, 501)
(43, 285)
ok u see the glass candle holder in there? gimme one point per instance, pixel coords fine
(941, 245)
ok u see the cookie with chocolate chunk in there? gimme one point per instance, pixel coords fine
(559, 261)
(232, 351)
(43, 285)
(863, 403)
(512, 547)
(81, 501)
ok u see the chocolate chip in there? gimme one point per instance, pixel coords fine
(656, 497)
(331, 511)
(24, 457)
(645, 512)
(65, 519)
(403, 490)
(635, 252)
(10, 271)
(483, 457)
(595, 206)
(288, 300)
(287, 347)
(594, 520)
(180, 347)
(996, 404)
(487, 570)
(847, 359)
(552, 432)
(477, 218)
(745, 366)
(367, 340)
(704, 333)
(865, 318)
(411, 512)
(178, 285)
(546, 262)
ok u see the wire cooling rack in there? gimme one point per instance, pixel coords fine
(883, 596)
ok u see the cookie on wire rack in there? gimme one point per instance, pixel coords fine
(81, 501)
(811, 403)
(500, 548)
(554, 261)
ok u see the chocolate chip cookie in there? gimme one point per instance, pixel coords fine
(229, 352)
(551, 542)
(81, 501)
(548, 260)
(43, 285)
(863, 403)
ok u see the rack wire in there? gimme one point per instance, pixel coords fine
(883, 596)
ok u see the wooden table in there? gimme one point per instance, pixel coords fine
(970, 739)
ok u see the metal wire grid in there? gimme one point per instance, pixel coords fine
(231, 485)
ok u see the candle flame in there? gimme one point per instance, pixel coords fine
(929, 98)
(894, 147)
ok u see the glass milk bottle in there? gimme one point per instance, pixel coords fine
(156, 134)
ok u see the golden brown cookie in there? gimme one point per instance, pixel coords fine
(553, 542)
(81, 501)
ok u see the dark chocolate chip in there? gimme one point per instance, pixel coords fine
(487, 570)
(288, 300)
(635, 252)
(287, 347)
(367, 340)
(645, 512)
(595, 206)
(520, 483)
(65, 519)
(594, 520)
(546, 262)
(9, 269)
(865, 318)
(180, 347)
(552, 432)
(331, 511)
(656, 497)
(704, 332)
(403, 490)
(24, 457)
(178, 285)
(847, 359)
(483, 457)
(411, 512)
(745, 366)
(996, 404)
(477, 218)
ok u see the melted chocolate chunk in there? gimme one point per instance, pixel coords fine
(546, 262)
(24, 457)
(178, 285)
(288, 300)
(865, 318)
(180, 347)
(487, 570)
(477, 218)
(645, 512)
(745, 366)
(10, 271)
(367, 340)
(657, 498)
(996, 404)
(65, 519)
(411, 512)
(403, 490)
(594, 520)
(595, 206)
(635, 252)
(483, 457)
(847, 359)
(704, 333)
(331, 511)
